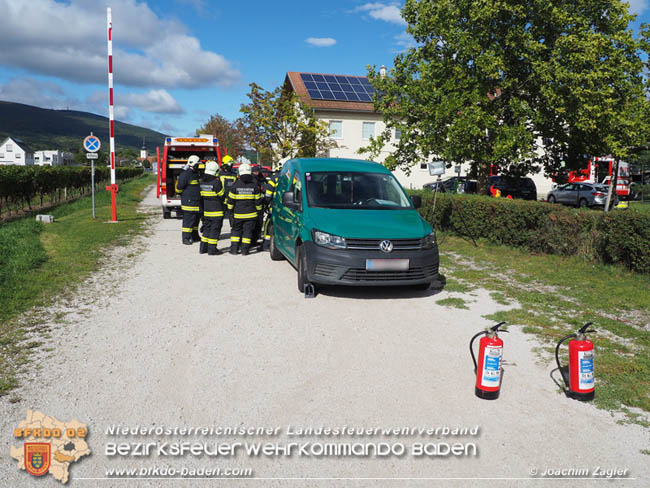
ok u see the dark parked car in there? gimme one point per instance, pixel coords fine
(455, 184)
(514, 186)
(582, 195)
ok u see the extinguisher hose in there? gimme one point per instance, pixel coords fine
(557, 356)
(471, 349)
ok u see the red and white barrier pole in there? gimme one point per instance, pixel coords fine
(113, 188)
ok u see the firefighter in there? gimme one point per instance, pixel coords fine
(269, 192)
(259, 178)
(187, 185)
(212, 201)
(228, 177)
(245, 201)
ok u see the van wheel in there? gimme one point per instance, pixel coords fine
(583, 203)
(301, 262)
(273, 250)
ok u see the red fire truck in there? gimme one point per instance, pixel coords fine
(174, 158)
(599, 170)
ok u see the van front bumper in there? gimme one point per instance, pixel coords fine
(348, 267)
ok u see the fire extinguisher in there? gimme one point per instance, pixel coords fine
(488, 369)
(579, 375)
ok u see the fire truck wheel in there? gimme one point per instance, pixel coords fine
(167, 214)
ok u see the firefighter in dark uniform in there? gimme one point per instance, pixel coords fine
(269, 192)
(245, 200)
(187, 185)
(212, 201)
(261, 182)
(228, 177)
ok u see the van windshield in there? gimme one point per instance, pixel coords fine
(375, 191)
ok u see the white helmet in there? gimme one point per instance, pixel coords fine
(244, 169)
(211, 168)
(193, 160)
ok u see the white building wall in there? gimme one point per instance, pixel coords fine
(12, 153)
(352, 139)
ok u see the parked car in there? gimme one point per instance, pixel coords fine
(350, 222)
(514, 186)
(581, 195)
(454, 184)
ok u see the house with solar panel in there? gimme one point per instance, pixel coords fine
(345, 103)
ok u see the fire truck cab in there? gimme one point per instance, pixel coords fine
(176, 151)
(599, 170)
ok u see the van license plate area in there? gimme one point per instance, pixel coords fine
(387, 264)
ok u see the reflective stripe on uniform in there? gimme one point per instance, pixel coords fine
(258, 207)
(213, 241)
(208, 193)
(246, 240)
(216, 213)
(245, 196)
(231, 206)
(187, 229)
(190, 208)
(235, 239)
(246, 216)
(205, 239)
(193, 182)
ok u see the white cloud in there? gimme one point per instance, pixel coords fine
(156, 101)
(405, 41)
(388, 12)
(638, 6)
(68, 40)
(45, 94)
(320, 41)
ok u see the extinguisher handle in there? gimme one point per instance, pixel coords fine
(585, 327)
(471, 348)
(496, 327)
(557, 355)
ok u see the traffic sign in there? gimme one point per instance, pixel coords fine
(92, 155)
(92, 143)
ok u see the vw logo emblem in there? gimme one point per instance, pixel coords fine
(386, 246)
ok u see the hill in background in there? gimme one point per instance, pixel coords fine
(42, 128)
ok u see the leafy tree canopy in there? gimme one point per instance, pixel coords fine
(522, 84)
(231, 135)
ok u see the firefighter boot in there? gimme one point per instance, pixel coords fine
(203, 247)
(187, 241)
(234, 248)
(212, 250)
(244, 249)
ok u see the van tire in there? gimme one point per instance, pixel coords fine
(273, 250)
(301, 267)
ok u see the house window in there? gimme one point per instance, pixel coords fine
(398, 134)
(424, 166)
(2, 155)
(368, 130)
(17, 156)
(336, 129)
(9, 148)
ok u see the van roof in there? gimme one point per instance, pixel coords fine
(337, 164)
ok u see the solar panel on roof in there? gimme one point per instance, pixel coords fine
(337, 87)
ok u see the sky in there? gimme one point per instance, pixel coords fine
(176, 62)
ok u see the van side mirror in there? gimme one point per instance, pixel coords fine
(417, 201)
(288, 200)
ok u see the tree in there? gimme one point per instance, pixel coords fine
(522, 84)
(279, 125)
(231, 135)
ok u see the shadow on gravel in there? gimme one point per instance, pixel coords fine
(376, 293)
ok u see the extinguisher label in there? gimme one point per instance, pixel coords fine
(492, 366)
(586, 364)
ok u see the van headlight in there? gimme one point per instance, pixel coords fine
(428, 242)
(328, 240)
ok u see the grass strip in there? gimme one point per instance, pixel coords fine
(41, 261)
(558, 294)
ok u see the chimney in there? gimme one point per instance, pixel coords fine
(382, 71)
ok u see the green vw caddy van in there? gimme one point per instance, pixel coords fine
(349, 222)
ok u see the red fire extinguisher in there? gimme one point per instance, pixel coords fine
(579, 375)
(488, 369)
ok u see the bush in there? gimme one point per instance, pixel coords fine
(617, 237)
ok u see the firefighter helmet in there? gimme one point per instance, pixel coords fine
(193, 161)
(211, 168)
(244, 169)
(227, 159)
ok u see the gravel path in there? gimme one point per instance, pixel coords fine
(177, 339)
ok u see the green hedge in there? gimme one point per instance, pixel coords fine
(621, 236)
(20, 184)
